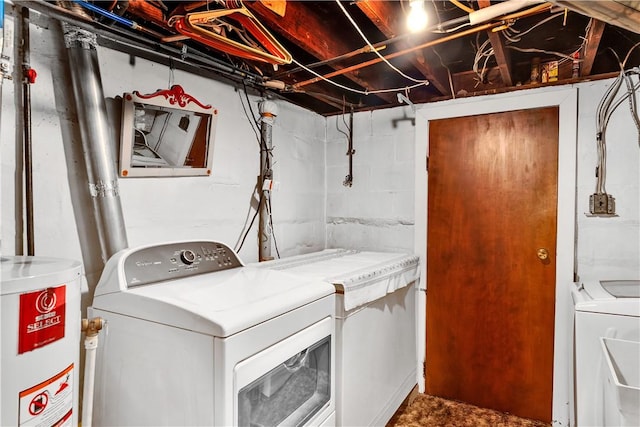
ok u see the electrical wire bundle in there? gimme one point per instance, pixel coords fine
(608, 104)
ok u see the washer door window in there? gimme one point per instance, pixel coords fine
(289, 383)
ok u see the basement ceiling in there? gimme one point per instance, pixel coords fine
(332, 45)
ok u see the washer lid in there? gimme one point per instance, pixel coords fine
(361, 277)
(219, 303)
(27, 273)
(610, 296)
(622, 288)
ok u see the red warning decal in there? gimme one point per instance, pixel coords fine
(39, 403)
(42, 316)
(49, 403)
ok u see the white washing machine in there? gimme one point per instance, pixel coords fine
(606, 309)
(376, 354)
(193, 337)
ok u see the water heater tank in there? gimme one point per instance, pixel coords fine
(40, 324)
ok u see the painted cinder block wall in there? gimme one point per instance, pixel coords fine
(162, 209)
(377, 212)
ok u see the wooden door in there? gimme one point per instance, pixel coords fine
(492, 202)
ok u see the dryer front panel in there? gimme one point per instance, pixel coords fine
(288, 383)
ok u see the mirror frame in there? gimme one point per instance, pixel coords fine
(174, 98)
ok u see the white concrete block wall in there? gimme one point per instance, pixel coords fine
(376, 213)
(165, 209)
(608, 247)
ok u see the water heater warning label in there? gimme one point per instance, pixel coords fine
(41, 318)
(49, 403)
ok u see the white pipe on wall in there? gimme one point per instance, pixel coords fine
(503, 8)
(91, 328)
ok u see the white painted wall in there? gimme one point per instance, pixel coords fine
(164, 209)
(608, 247)
(376, 213)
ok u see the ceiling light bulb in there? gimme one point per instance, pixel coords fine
(417, 19)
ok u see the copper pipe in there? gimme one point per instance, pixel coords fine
(484, 27)
(396, 54)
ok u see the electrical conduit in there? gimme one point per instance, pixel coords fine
(268, 113)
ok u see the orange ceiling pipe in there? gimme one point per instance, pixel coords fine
(196, 26)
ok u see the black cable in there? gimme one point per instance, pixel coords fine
(249, 102)
(250, 225)
(273, 231)
(251, 121)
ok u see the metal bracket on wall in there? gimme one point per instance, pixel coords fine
(404, 118)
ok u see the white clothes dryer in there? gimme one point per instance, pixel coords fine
(608, 309)
(193, 337)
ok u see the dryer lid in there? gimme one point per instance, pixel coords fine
(218, 303)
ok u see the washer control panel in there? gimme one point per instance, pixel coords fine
(177, 260)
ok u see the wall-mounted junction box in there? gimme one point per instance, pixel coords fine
(602, 204)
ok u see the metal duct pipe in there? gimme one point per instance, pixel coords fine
(268, 113)
(97, 141)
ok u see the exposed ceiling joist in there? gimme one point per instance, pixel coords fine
(303, 28)
(317, 34)
(385, 17)
(596, 28)
(501, 53)
(622, 13)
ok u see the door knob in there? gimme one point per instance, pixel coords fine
(543, 254)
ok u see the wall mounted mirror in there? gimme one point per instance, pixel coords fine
(166, 133)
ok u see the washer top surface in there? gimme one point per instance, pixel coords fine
(203, 297)
(361, 277)
(620, 297)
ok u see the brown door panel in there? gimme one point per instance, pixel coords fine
(492, 205)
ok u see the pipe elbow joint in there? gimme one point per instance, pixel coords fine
(91, 327)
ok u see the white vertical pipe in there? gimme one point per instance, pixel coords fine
(90, 346)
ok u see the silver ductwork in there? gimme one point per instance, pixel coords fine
(97, 140)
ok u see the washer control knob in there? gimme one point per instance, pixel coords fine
(188, 256)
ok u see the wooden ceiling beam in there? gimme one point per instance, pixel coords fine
(302, 27)
(385, 17)
(596, 28)
(502, 54)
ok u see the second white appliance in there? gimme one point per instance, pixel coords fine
(607, 315)
(376, 355)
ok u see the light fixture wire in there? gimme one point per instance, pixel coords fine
(347, 88)
(366, 40)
